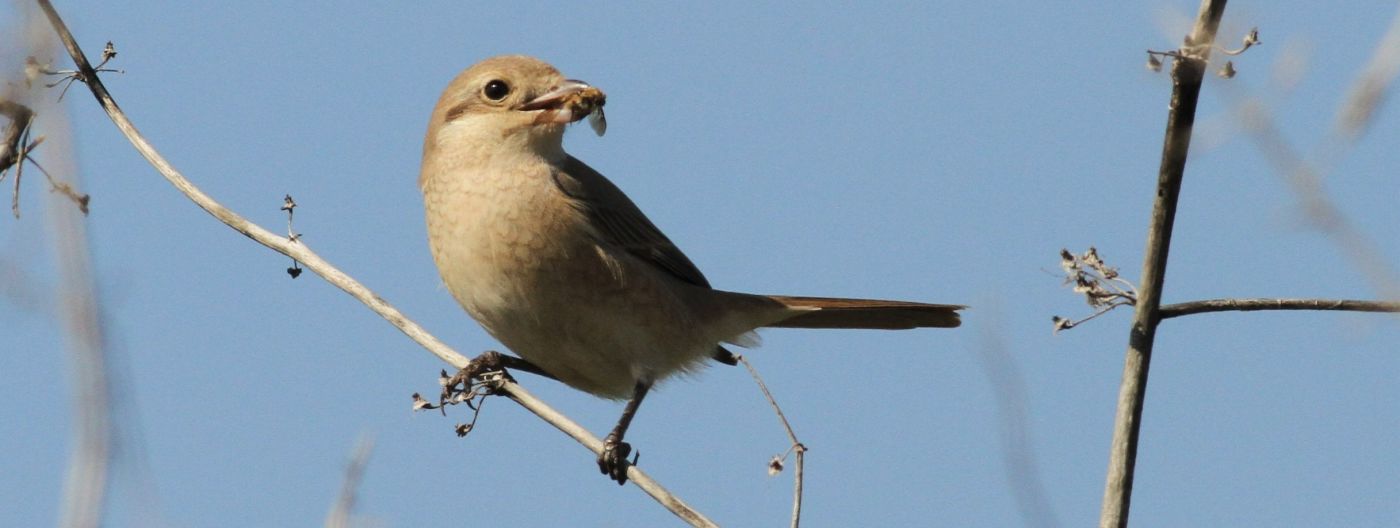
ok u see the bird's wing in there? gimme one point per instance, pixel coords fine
(620, 223)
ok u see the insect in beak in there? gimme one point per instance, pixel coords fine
(569, 102)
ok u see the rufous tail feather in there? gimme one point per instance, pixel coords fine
(830, 312)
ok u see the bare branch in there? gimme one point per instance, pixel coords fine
(796, 447)
(1251, 305)
(260, 235)
(331, 274)
(1307, 183)
(1306, 177)
(64, 188)
(1127, 423)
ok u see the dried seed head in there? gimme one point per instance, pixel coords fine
(1153, 63)
(1227, 71)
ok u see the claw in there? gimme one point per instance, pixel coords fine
(613, 460)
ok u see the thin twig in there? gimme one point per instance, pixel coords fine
(1251, 305)
(331, 274)
(797, 447)
(64, 188)
(339, 516)
(1186, 80)
(262, 236)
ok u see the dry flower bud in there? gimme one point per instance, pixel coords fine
(1227, 71)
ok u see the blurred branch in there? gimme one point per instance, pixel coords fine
(85, 487)
(1369, 90)
(1252, 305)
(1013, 412)
(1186, 89)
(1307, 183)
(85, 73)
(796, 447)
(1306, 178)
(79, 309)
(339, 516)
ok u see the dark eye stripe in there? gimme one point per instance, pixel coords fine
(457, 111)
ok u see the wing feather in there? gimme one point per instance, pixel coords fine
(618, 222)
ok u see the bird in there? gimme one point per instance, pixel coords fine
(563, 269)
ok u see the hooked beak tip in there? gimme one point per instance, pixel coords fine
(555, 97)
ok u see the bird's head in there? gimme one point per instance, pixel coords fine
(511, 104)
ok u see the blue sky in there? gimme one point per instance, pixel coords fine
(935, 152)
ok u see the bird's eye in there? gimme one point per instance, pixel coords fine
(496, 90)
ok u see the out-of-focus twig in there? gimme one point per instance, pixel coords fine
(78, 307)
(89, 467)
(86, 483)
(1306, 177)
(1367, 93)
(1013, 412)
(339, 516)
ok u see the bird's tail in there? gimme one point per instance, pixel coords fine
(830, 312)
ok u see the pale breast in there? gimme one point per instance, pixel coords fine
(524, 263)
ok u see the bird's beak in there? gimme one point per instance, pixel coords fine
(571, 101)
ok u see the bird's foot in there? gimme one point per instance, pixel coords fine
(613, 460)
(478, 378)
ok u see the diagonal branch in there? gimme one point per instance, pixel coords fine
(1186, 89)
(340, 279)
(1253, 305)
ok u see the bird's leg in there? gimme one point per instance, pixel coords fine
(613, 460)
